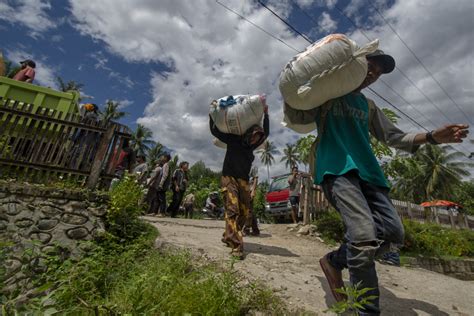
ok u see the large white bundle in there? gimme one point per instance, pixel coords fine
(327, 69)
(235, 114)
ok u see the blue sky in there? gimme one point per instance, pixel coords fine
(155, 57)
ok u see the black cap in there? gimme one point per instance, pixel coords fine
(29, 62)
(386, 61)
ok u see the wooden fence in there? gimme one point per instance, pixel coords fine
(42, 145)
(313, 201)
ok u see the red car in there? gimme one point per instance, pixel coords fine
(277, 200)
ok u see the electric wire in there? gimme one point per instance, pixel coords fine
(419, 61)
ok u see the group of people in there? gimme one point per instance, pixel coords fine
(348, 172)
(160, 181)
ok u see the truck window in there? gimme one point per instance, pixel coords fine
(279, 184)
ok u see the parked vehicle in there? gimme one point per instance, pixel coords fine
(277, 199)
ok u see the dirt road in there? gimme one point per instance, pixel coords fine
(289, 264)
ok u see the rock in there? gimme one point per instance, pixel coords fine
(11, 208)
(292, 226)
(73, 219)
(24, 222)
(50, 211)
(77, 233)
(320, 240)
(304, 230)
(43, 237)
(97, 211)
(47, 224)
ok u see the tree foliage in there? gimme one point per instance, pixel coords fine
(141, 140)
(266, 155)
(303, 148)
(112, 111)
(291, 156)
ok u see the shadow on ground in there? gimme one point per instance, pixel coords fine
(268, 250)
(390, 304)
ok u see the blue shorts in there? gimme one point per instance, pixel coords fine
(294, 200)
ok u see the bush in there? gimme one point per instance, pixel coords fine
(435, 240)
(125, 207)
(330, 226)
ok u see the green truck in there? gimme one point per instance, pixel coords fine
(27, 93)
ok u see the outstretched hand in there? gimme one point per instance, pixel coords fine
(453, 133)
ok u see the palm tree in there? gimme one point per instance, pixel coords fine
(68, 86)
(303, 148)
(443, 171)
(154, 154)
(111, 111)
(141, 140)
(432, 173)
(291, 156)
(266, 155)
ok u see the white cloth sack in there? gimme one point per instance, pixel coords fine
(237, 118)
(299, 128)
(327, 69)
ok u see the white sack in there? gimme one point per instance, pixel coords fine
(237, 118)
(327, 69)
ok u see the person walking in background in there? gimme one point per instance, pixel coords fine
(251, 222)
(141, 169)
(294, 180)
(179, 183)
(152, 183)
(163, 184)
(354, 183)
(235, 176)
(26, 72)
(188, 204)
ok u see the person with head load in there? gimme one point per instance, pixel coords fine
(27, 71)
(353, 182)
(235, 179)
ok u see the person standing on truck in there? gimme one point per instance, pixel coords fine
(294, 180)
(26, 72)
(235, 179)
(354, 183)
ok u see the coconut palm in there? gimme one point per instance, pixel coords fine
(154, 154)
(443, 170)
(68, 86)
(141, 140)
(291, 156)
(432, 173)
(303, 147)
(111, 111)
(266, 155)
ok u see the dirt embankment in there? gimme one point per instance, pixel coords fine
(289, 264)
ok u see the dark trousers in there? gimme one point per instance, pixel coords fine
(152, 200)
(162, 201)
(175, 203)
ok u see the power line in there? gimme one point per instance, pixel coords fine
(401, 72)
(418, 59)
(261, 29)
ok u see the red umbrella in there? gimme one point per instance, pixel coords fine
(440, 203)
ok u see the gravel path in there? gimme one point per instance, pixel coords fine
(289, 265)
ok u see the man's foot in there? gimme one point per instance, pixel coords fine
(255, 234)
(334, 278)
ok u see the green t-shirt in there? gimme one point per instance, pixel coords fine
(345, 143)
